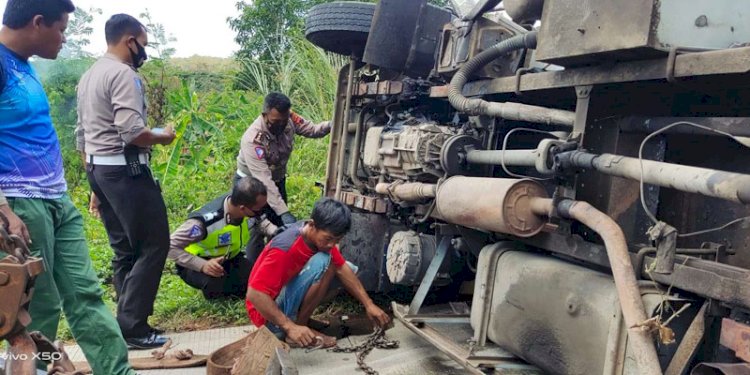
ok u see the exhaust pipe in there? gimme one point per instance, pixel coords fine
(520, 208)
(490, 204)
(626, 284)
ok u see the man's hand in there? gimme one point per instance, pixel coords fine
(17, 226)
(168, 135)
(378, 316)
(287, 218)
(300, 335)
(94, 206)
(213, 267)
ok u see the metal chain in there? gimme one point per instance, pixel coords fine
(375, 340)
(12, 244)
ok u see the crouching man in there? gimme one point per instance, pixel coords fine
(294, 272)
(208, 247)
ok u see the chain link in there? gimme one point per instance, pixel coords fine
(374, 340)
(12, 244)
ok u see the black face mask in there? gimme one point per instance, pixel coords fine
(138, 57)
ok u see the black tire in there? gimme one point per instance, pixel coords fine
(340, 27)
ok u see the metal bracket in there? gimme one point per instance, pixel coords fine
(671, 60)
(665, 237)
(429, 277)
(583, 95)
(519, 73)
(736, 336)
(689, 344)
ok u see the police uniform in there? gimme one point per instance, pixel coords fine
(208, 233)
(111, 114)
(264, 155)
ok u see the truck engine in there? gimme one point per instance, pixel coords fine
(580, 167)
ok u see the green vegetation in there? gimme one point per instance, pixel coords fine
(210, 102)
(210, 105)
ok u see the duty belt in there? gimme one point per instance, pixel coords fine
(118, 159)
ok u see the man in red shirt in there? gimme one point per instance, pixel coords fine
(293, 274)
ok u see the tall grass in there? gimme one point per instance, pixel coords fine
(306, 73)
(210, 120)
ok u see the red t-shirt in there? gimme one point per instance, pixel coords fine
(281, 260)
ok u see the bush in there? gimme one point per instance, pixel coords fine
(210, 118)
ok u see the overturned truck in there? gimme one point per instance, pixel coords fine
(582, 166)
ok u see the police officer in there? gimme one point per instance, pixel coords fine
(112, 130)
(264, 152)
(207, 247)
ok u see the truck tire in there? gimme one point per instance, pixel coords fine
(340, 27)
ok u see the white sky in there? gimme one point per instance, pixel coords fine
(200, 26)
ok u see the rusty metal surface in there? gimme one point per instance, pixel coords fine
(736, 336)
(704, 66)
(708, 279)
(626, 284)
(591, 27)
(378, 88)
(456, 49)
(477, 361)
(738, 126)
(721, 369)
(17, 273)
(690, 213)
(364, 202)
(689, 344)
(337, 128)
(491, 204)
(21, 354)
(409, 192)
(554, 314)
(730, 186)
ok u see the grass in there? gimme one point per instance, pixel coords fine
(178, 307)
(210, 118)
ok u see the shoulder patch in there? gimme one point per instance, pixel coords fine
(260, 152)
(296, 119)
(195, 231)
(262, 138)
(138, 83)
(225, 239)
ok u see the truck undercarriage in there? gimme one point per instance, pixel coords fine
(581, 168)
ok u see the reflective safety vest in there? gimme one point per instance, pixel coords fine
(230, 239)
(221, 238)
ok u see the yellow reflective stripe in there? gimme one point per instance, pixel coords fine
(211, 246)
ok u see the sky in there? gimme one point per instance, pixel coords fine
(200, 26)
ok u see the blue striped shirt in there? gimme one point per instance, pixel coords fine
(30, 159)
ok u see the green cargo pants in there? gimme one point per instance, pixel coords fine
(69, 281)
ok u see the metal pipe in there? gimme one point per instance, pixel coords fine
(491, 204)
(730, 186)
(21, 354)
(519, 207)
(408, 192)
(345, 125)
(357, 149)
(631, 302)
(524, 11)
(516, 158)
(640, 257)
(508, 111)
